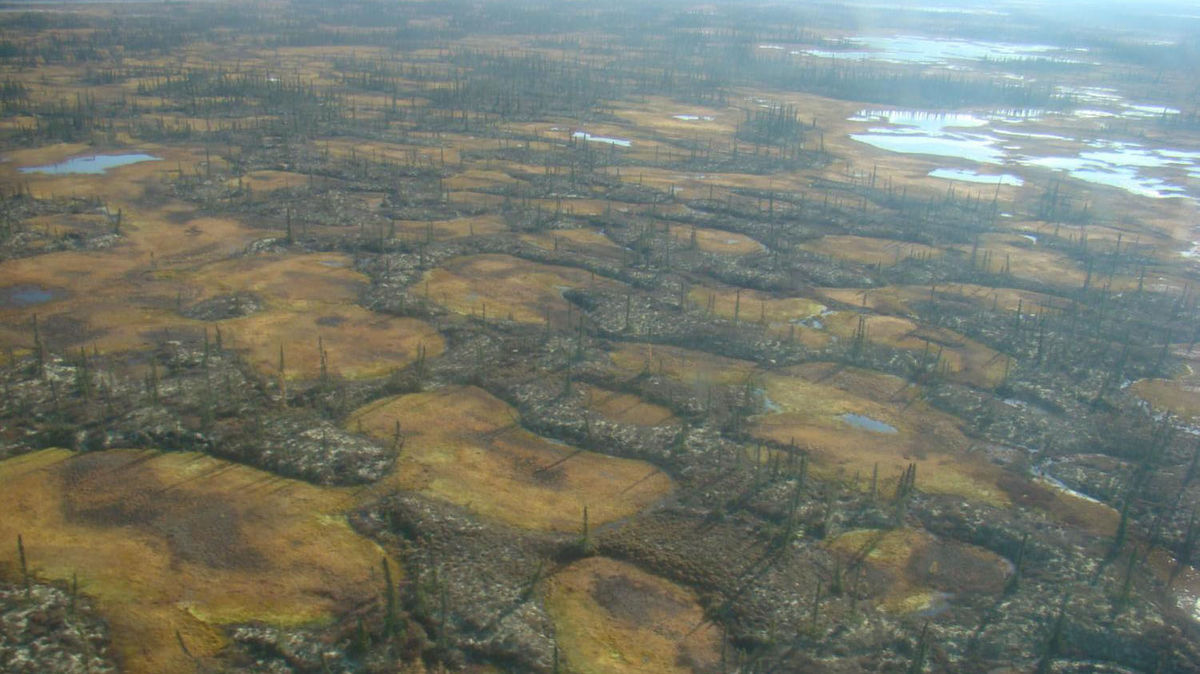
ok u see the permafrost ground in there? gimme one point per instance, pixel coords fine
(598, 338)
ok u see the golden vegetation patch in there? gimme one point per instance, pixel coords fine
(880, 300)
(624, 408)
(715, 240)
(1004, 299)
(870, 250)
(182, 544)
(584, 239)
(444, 230)
(668, 117)
(299, 281)
(309, 304)
(121, 296)
(684, 365)
(853, 421)
(465, 446)
(357, 343)
(1060, 504)
(945, 351)
(1003, 252)
(781, 316)
(753, 306)
(922, 572)
(1177, 396)
(269, 181)
(502, 286)
(611, 617)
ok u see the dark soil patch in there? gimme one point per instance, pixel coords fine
(180, 217)
(117, 490)
(62, 331)
(634, 602)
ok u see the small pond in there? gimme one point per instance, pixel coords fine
(937, 52)
(973, 177)
(584, 135)
(91, 164)
(25, 296)
(867, 423)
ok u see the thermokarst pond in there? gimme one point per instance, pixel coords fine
(26, 296)
(90, 164)
(868, 424)
(972, 177)
(940, 52)
(1138, 169)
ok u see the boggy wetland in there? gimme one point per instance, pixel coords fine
(405, 336)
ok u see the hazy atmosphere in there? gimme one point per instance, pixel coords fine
(599, 337)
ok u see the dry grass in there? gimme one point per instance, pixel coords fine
(897, 300)
(611, 617)
(183, 543)
(465, 446)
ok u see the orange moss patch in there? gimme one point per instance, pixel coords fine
(299, 281)
(946, 351)
(1066, 507)
(715, 240)
(587, 240)
(1024, 260)
(444, 230)
(683, 365)
(502, 286)
(310, 298)
(923, 572)
(122, 295)
(612, 617)
(809, 405)
(753, 305)
(624, 408)
(879, 300)
(269, 181)
(183, 543)
(358, 343)
(1177, 396)
(465, 446)
(870, 250)
(780, 315)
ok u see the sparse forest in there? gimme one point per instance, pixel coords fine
(598, 337)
